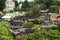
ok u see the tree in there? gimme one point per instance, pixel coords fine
(43, 7)
(28, 25)
(16, 3)
(25, 5)
(48, 3)
(2, 4)
(4, 33)
(55, 2)
(53, 9)
(34, 12)
(45, 2)
(11, 11)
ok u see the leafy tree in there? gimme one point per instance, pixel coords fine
(16, 3)
(2, 4)
(53, 9)
(4, 33)
(25, 5)
(43, 7)
(34, 12)
(56, 2)
(40, 1)
(28, 25)
(48, 3)
(45, 2)
(11, 11)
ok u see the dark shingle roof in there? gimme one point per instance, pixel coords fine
(26, 31)
(21, 17)
(15, 24)
(14, 27)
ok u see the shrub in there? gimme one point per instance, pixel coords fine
(11, 11)
(28, 25)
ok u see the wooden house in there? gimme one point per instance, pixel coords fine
(44, 14)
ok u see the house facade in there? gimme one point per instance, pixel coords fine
(9, 5)
(20, 19)
(44, 14)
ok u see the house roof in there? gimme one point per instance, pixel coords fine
(14, 27)
(21, 17)
(24, 31)
(6, 17)
(31, 20)
(48, 26)
(43, 10)
(14, 32)
(55, 15)
(15, 24)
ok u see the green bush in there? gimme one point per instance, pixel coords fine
(37, 21)
(4, 33)
(53, 9)
(11, 11)
(28, 25)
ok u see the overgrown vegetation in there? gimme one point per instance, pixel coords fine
(44, 34)
(4, 33)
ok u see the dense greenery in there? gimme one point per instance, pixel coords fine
(2, 4)
(34, 12)
(48, 2)
(43, 7)
(4, 33)
(25, 5)
(53, 9)
(16, 3)
(44, 34)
